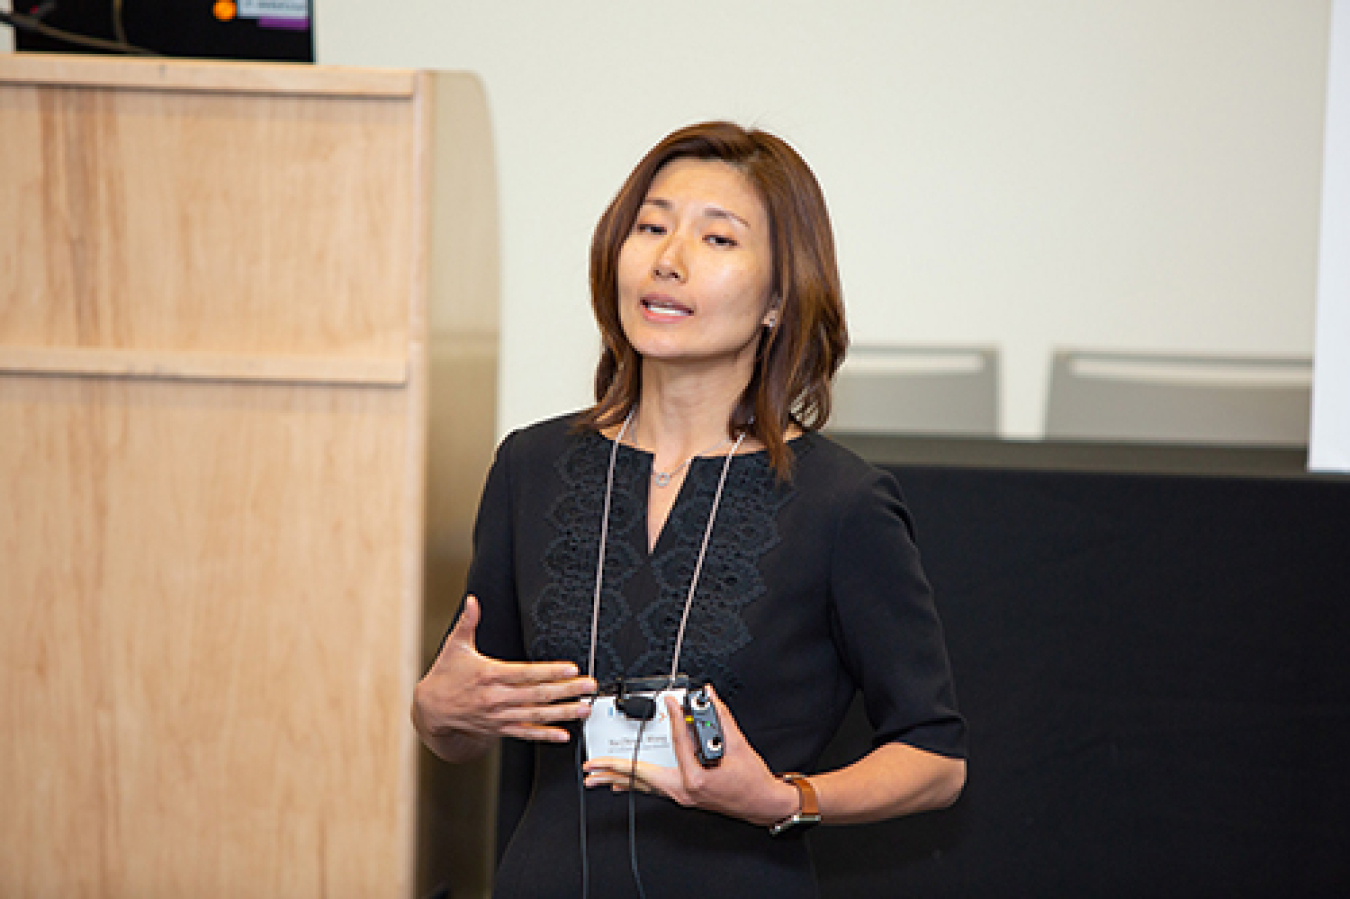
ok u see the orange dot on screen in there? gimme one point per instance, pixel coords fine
(224, 10)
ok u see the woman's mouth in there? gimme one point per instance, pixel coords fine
(662, 308)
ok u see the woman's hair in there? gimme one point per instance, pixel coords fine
(795, 360)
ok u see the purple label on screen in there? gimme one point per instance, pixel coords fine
(289, 24)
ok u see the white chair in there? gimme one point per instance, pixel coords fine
(917, 390)
(1223, 400)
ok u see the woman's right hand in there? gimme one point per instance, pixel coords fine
(467, 699)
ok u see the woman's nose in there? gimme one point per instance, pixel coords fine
(669, 261)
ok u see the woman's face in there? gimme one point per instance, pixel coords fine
(696, 272)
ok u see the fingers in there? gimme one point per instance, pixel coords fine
(683, 740)
(517, 714)
(741, 786)
(471, 693)
(538, 701)
(531, 674)
(618, 783)
(693, 777)
(679, 734)
(465, 631)
(560, 680)
(731, 731)
(537, 734)
(609, 771)
(620, 775)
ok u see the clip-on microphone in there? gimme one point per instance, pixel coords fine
(639, 708)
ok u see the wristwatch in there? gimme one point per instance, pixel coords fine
(808, 812)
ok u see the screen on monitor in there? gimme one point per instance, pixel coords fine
(280, 30)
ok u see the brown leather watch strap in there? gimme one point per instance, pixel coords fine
(808, 813)
(810, 803)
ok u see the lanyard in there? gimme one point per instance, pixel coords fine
(698, 566)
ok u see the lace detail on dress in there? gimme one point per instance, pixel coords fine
(562, 613)
(746, 528)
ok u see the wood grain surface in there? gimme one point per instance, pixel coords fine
(214, 406)
(202, 637)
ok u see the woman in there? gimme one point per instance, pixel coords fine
(694, 519)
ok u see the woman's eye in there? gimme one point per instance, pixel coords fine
(649, 228)
(719, 240)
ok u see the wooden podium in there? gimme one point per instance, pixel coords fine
(231, 297)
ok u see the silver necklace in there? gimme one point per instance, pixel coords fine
(663, 478)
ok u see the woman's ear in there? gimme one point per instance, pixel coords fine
(771, 317)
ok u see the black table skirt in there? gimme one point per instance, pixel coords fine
(1156, 669)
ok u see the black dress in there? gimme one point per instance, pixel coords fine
(810, 590)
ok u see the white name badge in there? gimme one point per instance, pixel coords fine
(611, 733)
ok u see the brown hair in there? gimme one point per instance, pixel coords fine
(795, 360)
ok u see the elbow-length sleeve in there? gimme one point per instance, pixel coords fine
(886, 624)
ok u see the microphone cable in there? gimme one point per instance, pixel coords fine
(675, 659)
(581, 804)
(632, 815)
(632, 808)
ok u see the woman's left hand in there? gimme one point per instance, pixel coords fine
(740, 786)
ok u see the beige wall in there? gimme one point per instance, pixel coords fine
(1119, 174)
(1133, 174)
